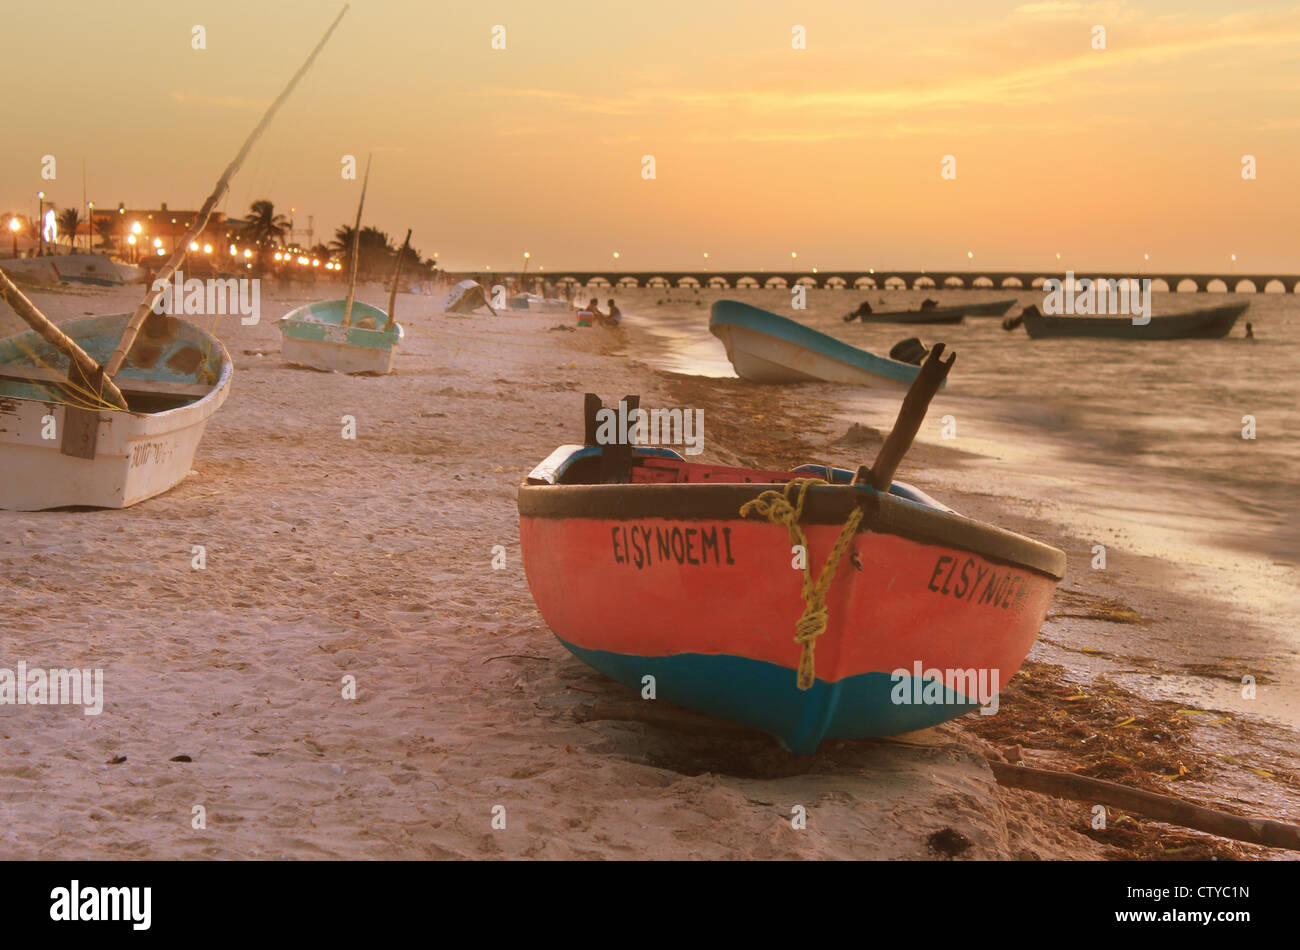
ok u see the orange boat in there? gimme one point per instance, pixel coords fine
(645, 564)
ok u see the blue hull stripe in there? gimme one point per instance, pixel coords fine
(764, 696)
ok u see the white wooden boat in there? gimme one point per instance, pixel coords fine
(55, 453)
(767, 348)
(97, 269)
(315, 336)
(466, 297)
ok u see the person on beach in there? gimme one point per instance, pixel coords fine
(1250, 331)
(864, 308)
(611, 319)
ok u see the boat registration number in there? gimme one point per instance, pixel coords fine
(335, 333)
(145, 453)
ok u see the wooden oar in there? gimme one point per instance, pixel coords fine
(1175, 811)
(910, 416)
(397, 273)
(200, 222)
(356, 248)
(91, 375)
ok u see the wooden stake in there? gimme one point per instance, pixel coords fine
(397, 273)
(82, 362)
(152, 296)
(910, 416)
(356, 249)
(1175, 811)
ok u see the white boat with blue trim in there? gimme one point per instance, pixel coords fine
(767, 348)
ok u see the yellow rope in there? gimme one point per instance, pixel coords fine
(779, 508)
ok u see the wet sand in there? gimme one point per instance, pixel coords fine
(372, 558)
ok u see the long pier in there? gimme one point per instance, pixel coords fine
(1267, 282)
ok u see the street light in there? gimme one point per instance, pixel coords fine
(13, 230)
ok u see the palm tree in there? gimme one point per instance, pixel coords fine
(104, 227)
(342, 246)
(69, 220)
(264, 228)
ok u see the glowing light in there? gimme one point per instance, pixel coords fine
(248, 253)
(157, 242)
(1234, 257)
(135, 228)
(51, 230)
(207, 248)
(302, 260)
(278, 256)
(970, 255)
(194, 245)
(130, 239)
(159, 251)
(315, 263)
(706, 255)
(13, 224)
(794, 254)
(233, 250)
(527, 255)
(616, 254)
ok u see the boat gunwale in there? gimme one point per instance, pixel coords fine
(885, 513)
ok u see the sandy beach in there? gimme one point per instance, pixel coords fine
(371, 558)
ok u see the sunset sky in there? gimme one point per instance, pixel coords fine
(833, 151)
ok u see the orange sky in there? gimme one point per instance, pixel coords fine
(833, 151)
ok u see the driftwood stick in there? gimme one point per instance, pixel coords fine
(82, 361)
(152, 296)
(356, 249)
(397, 274)
(1175, 811)
(910, 416)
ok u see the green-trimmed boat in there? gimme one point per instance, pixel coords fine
(317, 336)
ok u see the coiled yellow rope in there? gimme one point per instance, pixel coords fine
(780, 508)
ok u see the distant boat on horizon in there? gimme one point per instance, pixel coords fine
(1210, 323)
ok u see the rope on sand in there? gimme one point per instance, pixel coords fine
(780, 508)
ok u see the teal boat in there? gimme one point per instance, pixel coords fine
(316, 336)
(767, 348)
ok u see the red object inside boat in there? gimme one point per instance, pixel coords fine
(674, 470)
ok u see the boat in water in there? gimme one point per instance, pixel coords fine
(767, 348)
(645, 564)
(955, 314)
(1211, 323)
(316, 335)
(175, 377)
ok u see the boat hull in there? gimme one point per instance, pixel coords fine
(767, 348)
(137, 455)
(940, 314)
(706, 603)
(315, 336)
(1210, 324)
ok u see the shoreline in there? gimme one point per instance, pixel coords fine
(373, 559)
